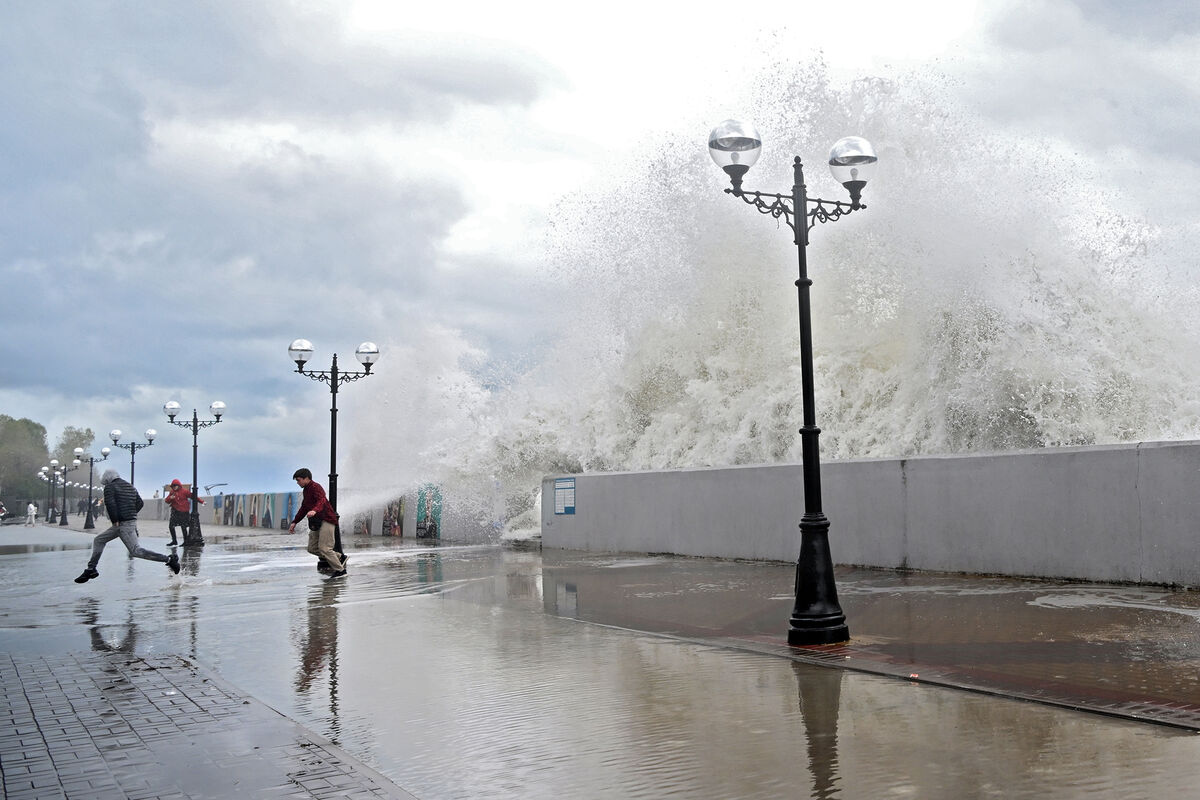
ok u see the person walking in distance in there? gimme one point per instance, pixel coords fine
(180, 502)
(30, 514)
(322, 521)
(122, 503)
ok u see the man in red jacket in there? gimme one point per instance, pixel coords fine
(322, 521)
(179, 501)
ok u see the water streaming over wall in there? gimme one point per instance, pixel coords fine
(995, 294)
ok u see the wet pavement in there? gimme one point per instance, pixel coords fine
(478, 671)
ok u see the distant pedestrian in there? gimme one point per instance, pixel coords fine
(3, 510)
(30, 514)
(81, 507)
(122, 502)
(322, 522)
(180, 502)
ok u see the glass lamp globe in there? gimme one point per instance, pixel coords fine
(852, 161)
(367, 354)
(217, 409)
(300, 351)
(734, 143)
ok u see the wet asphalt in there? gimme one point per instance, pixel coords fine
(480, 670)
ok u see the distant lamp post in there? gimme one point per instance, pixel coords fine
(62, 520)
(45, 474)
(115, 434)
(89, 522)
(53, 477)
(734, 145)
(192, 537)
(367, 354)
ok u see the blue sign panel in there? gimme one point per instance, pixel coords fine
(564, 495)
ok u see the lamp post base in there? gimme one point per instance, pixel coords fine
(88, 521)
(816, 618)
(191, 535)
(809, 631)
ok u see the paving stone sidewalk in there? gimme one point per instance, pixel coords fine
(116, 725)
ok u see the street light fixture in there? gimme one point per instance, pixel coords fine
(367, 354)
(734, 145)
(63, 473)
(192, 537)
(132, 447)
(89, 521)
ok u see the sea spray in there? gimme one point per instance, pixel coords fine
(993, 295)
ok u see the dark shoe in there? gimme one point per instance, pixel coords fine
(87, 575)
(339, 574)
(172, 543)
(323, 566)
(173, 563)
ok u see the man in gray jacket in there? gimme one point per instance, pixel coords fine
(122, 502)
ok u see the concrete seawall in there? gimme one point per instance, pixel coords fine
(1128, 513)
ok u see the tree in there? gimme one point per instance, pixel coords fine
(71, 438)
(22, 453)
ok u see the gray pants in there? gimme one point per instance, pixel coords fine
(127, 531)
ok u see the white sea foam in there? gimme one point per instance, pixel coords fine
(996, 294)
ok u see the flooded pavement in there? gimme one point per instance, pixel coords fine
(465, 672)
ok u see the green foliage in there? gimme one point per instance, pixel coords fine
(71, 438)
(22, 453)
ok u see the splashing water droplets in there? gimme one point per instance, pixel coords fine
(994, 296)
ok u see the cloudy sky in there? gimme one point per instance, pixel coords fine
(187, 187)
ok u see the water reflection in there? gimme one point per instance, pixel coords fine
(189, 562)
(107, 637)
(15, 549)
(820, 691)
(184, 606)
(429, 568)
(318, 643)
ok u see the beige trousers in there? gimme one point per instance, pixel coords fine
(320, 544)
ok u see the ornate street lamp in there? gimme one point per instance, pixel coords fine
(63, 473)
(132, 447)
(192, 537)
(817, 617)
(89, 522)
(367, 354)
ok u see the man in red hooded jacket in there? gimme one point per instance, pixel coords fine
(179, 501)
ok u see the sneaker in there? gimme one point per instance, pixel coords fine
(339, 574)
(173, 563)
(87, 575)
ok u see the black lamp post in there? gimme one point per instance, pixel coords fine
(192, 536)
(132, 447)
(817, 617)
(367, 354)
(89, 522)
(62, 520)
(47, 476)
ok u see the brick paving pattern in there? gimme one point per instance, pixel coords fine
(116, 725)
